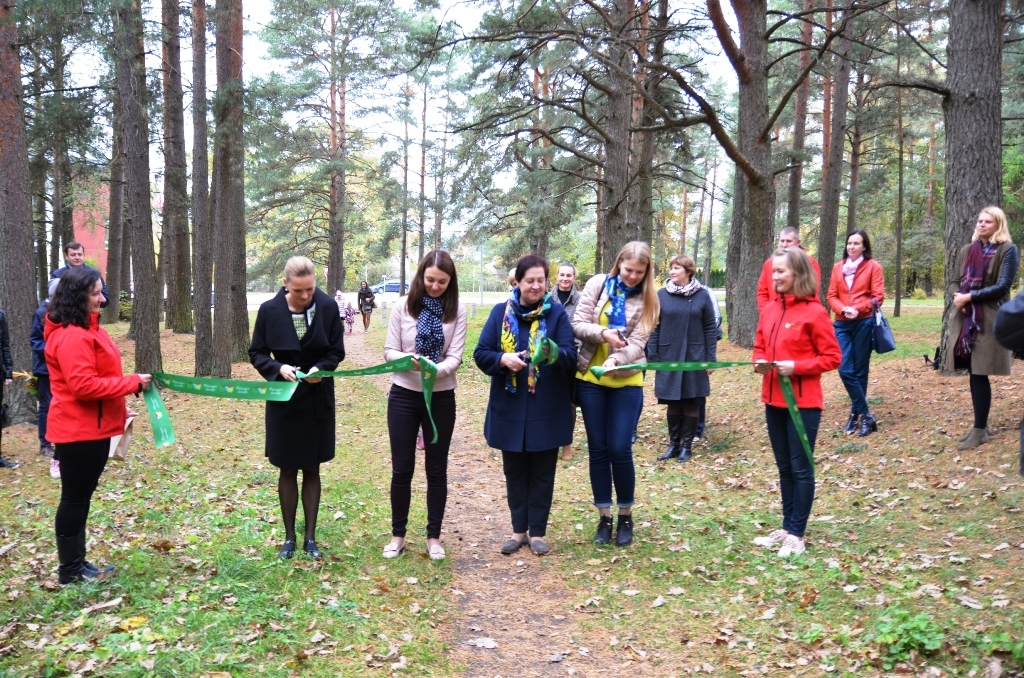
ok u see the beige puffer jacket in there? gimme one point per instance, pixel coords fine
(587, 328)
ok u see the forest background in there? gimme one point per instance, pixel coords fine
(364, 133)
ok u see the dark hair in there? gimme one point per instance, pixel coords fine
(528, 262)
(364, 283)
(443, 261)
(73, 246)
(70, 303)
(864, 237)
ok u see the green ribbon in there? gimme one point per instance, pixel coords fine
(237, 389)
(159, 417)
(538, 357)
(784, 382)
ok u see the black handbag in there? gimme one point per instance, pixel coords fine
(882, 340)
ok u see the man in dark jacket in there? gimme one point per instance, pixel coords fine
(74, 253)
(42, 374)
(7, 370)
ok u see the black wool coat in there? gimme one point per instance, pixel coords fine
(301, 431)
(686, 332)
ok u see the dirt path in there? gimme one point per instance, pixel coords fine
(518, 602)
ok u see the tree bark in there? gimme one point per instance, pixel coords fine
(855, 155)
(202, 232)
(131, 84)
(828, 215)
(17, 266)
(423, 173)
(796, 157)
(115, 218)
(175, 221)
(711, 225)
(972, 110)
(231, 320)
(339, 153)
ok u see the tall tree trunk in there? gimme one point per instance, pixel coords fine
(827, 96)
(700, 210)
(231, 320)
(439, 201)
(175, 222)
(423, 173)
(202, 231)
(796, 157)
(855, 155)
(899, 191)
(751, 235)
(682, 223)
(711, 225)
(17, 267)
(115, 218)
(131, 84)
(828, 214)
(339, 153)
(974, 128)
(407, 93)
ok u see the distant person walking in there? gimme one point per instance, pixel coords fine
(984, 272)
(366, 302)
(856, 288)
(299, 330)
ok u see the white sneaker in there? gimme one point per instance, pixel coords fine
(791, 546)
(55, 469)
(776, 537)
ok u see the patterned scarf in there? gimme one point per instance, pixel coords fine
(537, 318)
(687, 290)
(979, 256)
(429, 328)
(617, 293)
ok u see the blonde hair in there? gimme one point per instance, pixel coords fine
(686, 262)
(805, 283)
(641, 251)
(1002, 233)
(298, 267)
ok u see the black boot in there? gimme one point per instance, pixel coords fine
(867, 425)
(675, 436)
(624, 530)
(97, 572)
(604, 531)
(689, 427)
(71, 555)
(851, 424)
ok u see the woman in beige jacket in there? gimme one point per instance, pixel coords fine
(614, 318)
(428, 322)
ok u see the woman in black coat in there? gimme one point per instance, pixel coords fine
(686, 332)
(529, 415)
(299, 329)
(366, 303)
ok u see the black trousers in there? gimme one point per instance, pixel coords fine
(530, 486)
(43, 386)
(81, 465)
(407, 412)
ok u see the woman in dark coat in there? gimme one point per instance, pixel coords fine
(529, 415)
(299, 330)
(366, 302)
(984, 272)
(686, 332)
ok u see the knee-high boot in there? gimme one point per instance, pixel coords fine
(689, 430)
(675, 437)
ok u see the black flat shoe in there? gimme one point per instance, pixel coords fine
(287, 550)
(539, 547)
(604, 531)
(624, 531)
(851, 424)
(310, 548)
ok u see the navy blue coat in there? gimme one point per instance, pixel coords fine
(524, 421)
(35, 337)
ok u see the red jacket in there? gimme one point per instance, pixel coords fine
(799, 330)
(868, 285)
(87, 383)
(766, 288)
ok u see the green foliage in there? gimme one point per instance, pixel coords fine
(900, 632)
(124, 307)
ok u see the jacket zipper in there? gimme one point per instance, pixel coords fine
(775, 341)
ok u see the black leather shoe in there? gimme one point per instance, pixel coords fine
(867, 425)
(92, 570)
(287, 550)
(604, 531)
(8, 464)
(851, 424)
(310, 547)
(624, 531)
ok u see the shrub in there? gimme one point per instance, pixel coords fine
(124, 307)
(919, 295)
(900, 633)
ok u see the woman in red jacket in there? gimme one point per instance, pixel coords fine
(794, 339)
(86, 411)
(857, 285)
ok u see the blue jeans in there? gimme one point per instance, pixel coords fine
(854, 338)
(796, 475)
(610, 416)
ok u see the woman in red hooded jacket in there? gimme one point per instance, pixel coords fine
(794, 339)
(86, 411)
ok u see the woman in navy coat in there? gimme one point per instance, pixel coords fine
(529, 416)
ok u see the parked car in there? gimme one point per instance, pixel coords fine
(388, 286)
